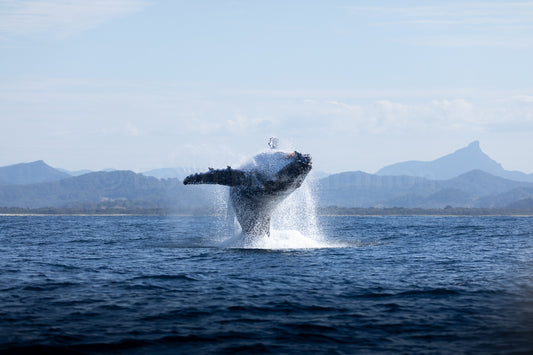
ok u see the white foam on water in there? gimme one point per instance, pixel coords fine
(278, 239)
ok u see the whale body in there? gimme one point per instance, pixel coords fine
(258, 187)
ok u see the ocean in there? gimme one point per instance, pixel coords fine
(360, 285)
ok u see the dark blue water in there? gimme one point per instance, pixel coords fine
(138, 285)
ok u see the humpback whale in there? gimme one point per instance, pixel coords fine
(258, 187)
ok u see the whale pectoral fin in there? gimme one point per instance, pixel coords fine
(226, 177)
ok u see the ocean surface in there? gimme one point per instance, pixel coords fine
(167, 285)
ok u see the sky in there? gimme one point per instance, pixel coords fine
(146, 84)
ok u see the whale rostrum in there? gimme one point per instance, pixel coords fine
(259, 186)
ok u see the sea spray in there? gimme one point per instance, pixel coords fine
(226, 224)
(294, 226)
(298, 211)
(270, 205)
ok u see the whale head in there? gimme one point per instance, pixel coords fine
(277, 171)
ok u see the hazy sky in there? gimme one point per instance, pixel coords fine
(143, 84)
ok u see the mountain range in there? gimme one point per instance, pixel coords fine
(30, 173)
(473, 189)
(464, 178)
(115, 189)
(449, 166)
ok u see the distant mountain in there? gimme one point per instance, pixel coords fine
(169, 173)
(122, 188)
(481, 183)
(317, 175)
(447, 181)
(128, 190)
(508, 199)
(449, 166)
(525, 204)
(473, 189)
(30, 173)
(75, 173)
(360, 189)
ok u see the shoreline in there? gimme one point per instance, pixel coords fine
(358, 213)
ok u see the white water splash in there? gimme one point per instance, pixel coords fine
(278, 239)
(294, 226)
(298, 212)
(294, 223)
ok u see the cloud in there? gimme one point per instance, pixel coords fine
(244, 123)
(523, 98)
(59, 18)
(449, 116)
(132, 130)
(341, 104)
(457, 24)
(465, 13)
(213, 126)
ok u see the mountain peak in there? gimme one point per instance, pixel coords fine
(474, 153)
(474, 145)
(39, 163)
(29, 173)
(449, 166)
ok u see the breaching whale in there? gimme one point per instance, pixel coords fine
(257, 187)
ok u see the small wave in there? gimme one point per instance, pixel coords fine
(49, 286)
(165, 277)
(60, 266)
(284, 307)
(424, 292)
(279, 239)
(257, 348)
(145, 287)
(183, 314)
(430, 292)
